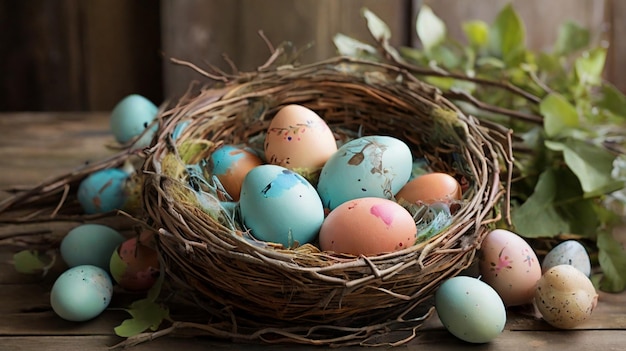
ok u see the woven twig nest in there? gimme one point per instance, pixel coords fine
(252, 290)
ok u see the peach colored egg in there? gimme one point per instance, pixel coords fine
(430, 188)
(510, 266)
(298, 139)
(230, 164)
(367, 226)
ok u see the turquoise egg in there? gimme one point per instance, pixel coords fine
(81, 293)
(103, 191)
(470, 309)
(130, 117)
(90, 244)
(280, 206)
(370, 166)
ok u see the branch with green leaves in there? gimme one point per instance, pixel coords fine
(569, 123)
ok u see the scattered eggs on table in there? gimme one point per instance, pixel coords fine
(565, 296)
(90, 244)
(367, 226)
(81, 293)
(134, 266)
(369, 166)
(568, 252)
(470, 309)
(280, 206)
(510, 266)
(431, 188)
(230, 164)
(300, 140)
(103, 190)
(131, 117)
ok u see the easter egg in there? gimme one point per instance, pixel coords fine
(370, 166)
(510, 266)
(470, 309)
(130, 117)
(367, 226)
(230, 164)
(103, 191)
(81, 293)
(280, 206)
(568, 252)
(90, 244)
(134, 266)
(431, 188)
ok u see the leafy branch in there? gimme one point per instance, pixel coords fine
(569, 123)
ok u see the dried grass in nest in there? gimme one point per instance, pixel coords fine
(263, 292)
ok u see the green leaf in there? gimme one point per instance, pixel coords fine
(592, 165)
(559, 115)
(537, 216)
(477, 33)
(507, 36)
(571, 38)
(377, 27)
(351, 47)
(430, 29)
(613, 100)
(590, 65)
(145, 314)
(28, 262)
(612, 259)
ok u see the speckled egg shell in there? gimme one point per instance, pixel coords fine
(103, 191)
(81, 293)
(568, 252)
(134, 266)
(510, 266)
(230, 164)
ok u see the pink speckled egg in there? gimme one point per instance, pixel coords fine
(134, 266)
(367, 226)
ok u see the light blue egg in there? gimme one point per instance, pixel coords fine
(223, 159)
(90, 244)
(569, 252)
(179, 128)
(280, 206)
(470, 309)
(130, 117)
(81, 293)
(103, 191)
(370, 166)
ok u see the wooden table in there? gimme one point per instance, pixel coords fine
(36, 146)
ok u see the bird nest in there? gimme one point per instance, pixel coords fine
(251, 290)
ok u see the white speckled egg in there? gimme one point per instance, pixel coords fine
(130, 117)
(565, 296)
(90, 244)
(510, 266)
(568, 252)
(470, 309)
(280, 206)
(81, 293)
(370, 166)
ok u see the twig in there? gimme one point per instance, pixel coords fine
(199, 70)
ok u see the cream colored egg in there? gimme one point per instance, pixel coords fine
(510, 266)
(300, 140)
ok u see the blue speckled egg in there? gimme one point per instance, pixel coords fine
(81, 293)
(569, 252)
(370, 166)
(280, 206)
(103, 191)
(91, 244)
(130, 117)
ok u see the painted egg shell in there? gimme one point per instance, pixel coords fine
(431, 188)
(568, 252)
(470, 309)
(81, 293)
(298, 139)
(90, 244)
(280, 206)
(130, 117)
(230, 164)
(370, 166)
(565, 296)
(510, 266)
(134, 266)
(367, 226)
(103, 191)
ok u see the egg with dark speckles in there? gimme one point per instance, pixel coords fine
(103, 190)
(81, 293)
(367, 226)
(280, 206)
(565, 297)
(568, 252)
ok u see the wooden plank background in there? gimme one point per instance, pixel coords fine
(86, 55)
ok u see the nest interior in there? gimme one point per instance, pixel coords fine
(250, 288)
